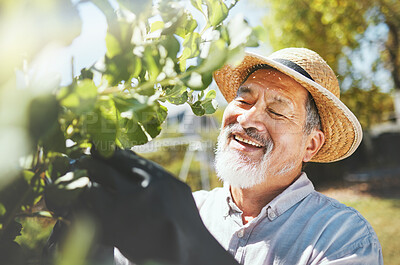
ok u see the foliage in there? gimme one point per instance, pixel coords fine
(157, 52)
(370, 106)
(340, 31)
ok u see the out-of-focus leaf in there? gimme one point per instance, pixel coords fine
(101, 126)
(187, 25)
(2, 209)
(191, 46)
(197, 4)
(113, 46)
(216, 57)
(151, 61)
(28, 175)
(82, 98)
(217, 11)
(140, 109)
(156, 25)
(172, 46)
(43, 113)
(122, 67)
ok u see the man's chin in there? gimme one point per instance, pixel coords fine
(237, 171)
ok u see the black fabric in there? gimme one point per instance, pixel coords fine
(294, 66)
(159, 222)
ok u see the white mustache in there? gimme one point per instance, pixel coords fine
(252, 133)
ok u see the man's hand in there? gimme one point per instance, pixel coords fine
(147, 213)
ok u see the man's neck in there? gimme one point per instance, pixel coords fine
(252, 200)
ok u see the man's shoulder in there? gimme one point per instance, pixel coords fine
(202, 196)
(339, 220)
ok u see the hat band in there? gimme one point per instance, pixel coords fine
(294, 66)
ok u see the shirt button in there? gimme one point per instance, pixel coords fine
(240, 234)
(271, 215)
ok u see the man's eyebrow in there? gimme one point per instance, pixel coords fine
(243, 89)
(280, 99)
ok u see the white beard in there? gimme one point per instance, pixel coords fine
(236, 169)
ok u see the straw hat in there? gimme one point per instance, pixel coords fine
(342, 130)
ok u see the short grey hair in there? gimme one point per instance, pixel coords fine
(313, 120)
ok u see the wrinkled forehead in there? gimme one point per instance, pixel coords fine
(267, 75)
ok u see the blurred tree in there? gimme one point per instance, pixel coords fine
(336, 30)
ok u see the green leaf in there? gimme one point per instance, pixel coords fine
(82, 98)
(211, 94)
(197, 4)
(2, 209)
(141, 108)
(153, 126)
(101, 126)
(191, 46)
(113, 45)
(171, 44)
(217, 11)
(162, 113)
(28, 175)
(216, 57)
(122, 67)
(152, 62)
(179, 100)
(187, 25)
(210, 106)
(197, 108)
(43, 115)
(157, 25)
(131, 133)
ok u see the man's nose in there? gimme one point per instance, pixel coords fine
(252, 118)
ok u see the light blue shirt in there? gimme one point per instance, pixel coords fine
(299, 226)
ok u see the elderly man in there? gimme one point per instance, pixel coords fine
(284, 111)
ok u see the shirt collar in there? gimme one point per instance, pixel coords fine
(297, 191)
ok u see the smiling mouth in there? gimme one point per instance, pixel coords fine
(242, 140)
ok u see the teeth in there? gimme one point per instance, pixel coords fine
(246, 141)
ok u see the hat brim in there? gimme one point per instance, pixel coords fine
(342, 130)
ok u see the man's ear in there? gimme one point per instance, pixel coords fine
(314, 142)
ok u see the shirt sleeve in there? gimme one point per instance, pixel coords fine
(367, 252)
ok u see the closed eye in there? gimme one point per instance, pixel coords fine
(241, 101)
(275, 113)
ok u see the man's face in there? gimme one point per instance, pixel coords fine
(262, 136)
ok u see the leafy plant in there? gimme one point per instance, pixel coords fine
(156, 53)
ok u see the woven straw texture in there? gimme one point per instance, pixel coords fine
(342, 130)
